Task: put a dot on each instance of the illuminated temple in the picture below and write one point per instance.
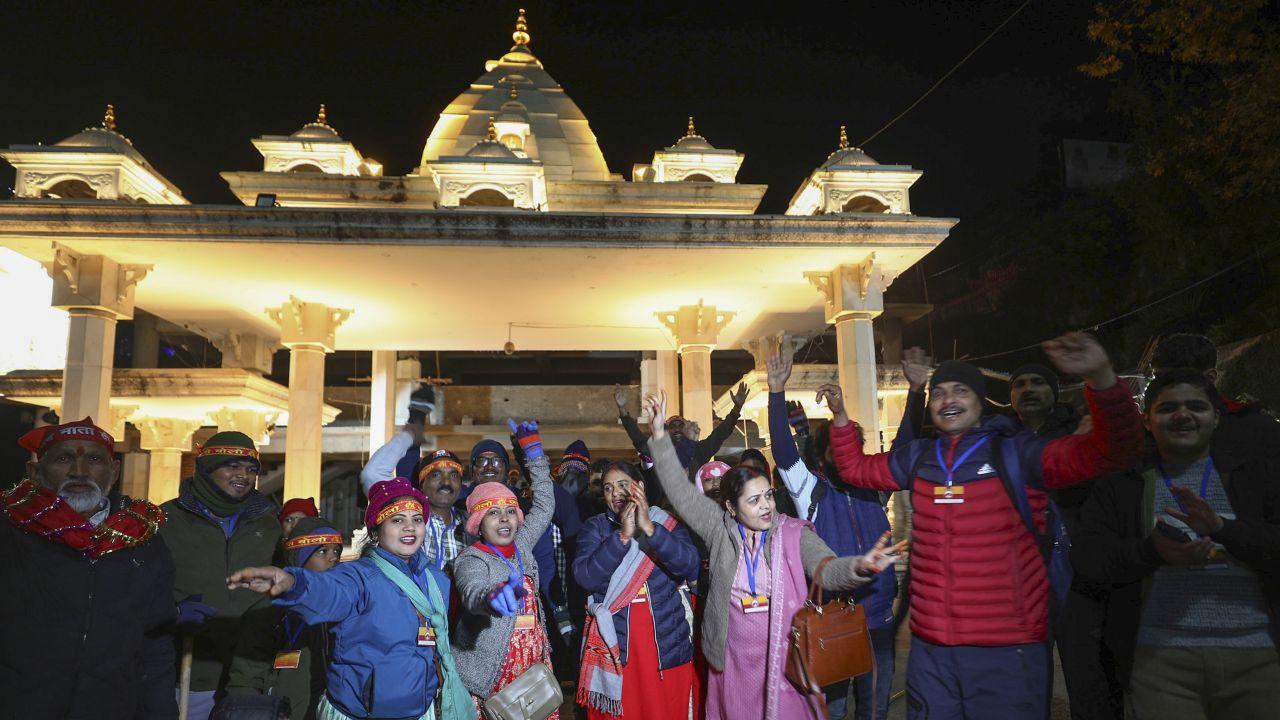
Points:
(327, 254)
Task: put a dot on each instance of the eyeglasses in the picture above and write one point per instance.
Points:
(493, 462)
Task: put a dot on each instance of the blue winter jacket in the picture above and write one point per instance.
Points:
(600, 551)
(848, 519)
(378, 670)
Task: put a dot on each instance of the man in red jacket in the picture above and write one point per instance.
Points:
(980, 589)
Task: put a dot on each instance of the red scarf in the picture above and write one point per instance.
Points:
(42, 512)
(507, 551)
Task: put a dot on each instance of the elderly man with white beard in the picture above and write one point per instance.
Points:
(86, 610)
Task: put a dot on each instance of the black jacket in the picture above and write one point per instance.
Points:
(1113, 543)
(82, 638)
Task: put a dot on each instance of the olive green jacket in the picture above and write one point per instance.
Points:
(203, 557)
(263, 635)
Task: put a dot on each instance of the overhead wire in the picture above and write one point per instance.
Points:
(948, 74)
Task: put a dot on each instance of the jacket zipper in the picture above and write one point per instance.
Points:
(648, 600)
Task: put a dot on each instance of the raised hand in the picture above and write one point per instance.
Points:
(1081, 354)
(641, 503)
(527, 436)
(503, 601)
(880, 557)
(1199, 515)
(657, 407)
(915, 367)
(833, 396)
(739, 396)
(270, 580)
(778, 369)
(620, 397)
(627, 521)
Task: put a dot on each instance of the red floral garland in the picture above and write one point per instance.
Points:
(42, 512)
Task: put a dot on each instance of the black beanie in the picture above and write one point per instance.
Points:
(961, 372)
(1049, 376)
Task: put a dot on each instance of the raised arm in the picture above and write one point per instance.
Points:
(855, 467)
(382, 463)
(786, 456)
(915, 368)
(850, 571)
(711, 444)
(317, 597)
(698, 511)
(538, 519)
(1116, 441)
(629, 423)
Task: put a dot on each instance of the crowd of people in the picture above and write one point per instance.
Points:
(1140, 540)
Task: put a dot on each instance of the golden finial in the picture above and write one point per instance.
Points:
(322, 117)
(521, 35)
(513, 95)
(109, 118)
(493, 131)
(844, 138)
(690, 132)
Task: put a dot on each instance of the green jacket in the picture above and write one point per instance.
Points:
(203, 557)
(264, 634)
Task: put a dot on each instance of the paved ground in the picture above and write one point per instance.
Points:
(898, 706)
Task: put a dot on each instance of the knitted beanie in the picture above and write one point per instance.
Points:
(713, 469)
(576, 457)
(309, 535)
(437, 459)
(492, 446)
(388, 497)
(961, 372)
(485, 497)
(1037, 369)
(225, 448)
(306, 506)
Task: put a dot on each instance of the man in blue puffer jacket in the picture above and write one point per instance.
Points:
(850, 520)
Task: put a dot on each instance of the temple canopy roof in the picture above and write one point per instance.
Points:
(559, 136)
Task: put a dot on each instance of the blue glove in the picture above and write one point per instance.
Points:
(526, 435)
(192, 613)
(504, 602)
(516, 583)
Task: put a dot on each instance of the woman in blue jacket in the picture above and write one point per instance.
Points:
(637, 653)
(390, 617)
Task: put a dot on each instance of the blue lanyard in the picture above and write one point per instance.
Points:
(437, 539)
(753, 559)
(951, 471)
(1204, 482)
(291, 638)
(504, 559)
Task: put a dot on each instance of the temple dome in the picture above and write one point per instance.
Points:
(559, 136)
(848, 156)
(318, 130)
(101, 137)
(491, 149)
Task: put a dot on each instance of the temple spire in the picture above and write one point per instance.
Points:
(322, 117)
(844, 139)
(513, 95)
(493, 131)
(521, 35)
(109, 118)
(690, 132)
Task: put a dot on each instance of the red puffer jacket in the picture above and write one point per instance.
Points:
(977, 577)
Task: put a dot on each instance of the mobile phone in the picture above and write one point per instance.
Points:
(1172, 532)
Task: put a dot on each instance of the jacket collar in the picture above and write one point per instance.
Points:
(255, 505)
(410, 567)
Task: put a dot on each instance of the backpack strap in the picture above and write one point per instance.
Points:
(1004, 454)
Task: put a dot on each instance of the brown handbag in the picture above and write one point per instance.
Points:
(829, 643)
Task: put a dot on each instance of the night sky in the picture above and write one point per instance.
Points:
(194, 82)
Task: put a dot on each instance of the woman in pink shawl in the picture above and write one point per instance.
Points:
(758, 562)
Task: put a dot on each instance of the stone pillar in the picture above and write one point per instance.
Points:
(146, 341)
(854, 296)
(382, 398)
(696, 328)
(307, 329)
(133, 474)
(166, 439)
(660, 373)
(248, 351)
(96, 292)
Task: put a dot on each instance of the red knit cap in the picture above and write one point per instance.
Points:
(306, 506)
(41, 439)
(486, 496)
(395, 495)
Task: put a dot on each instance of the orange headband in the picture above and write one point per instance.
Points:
(229, 450)
(445, 462)
(398, 506)
(308, 540)
(485, 506)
